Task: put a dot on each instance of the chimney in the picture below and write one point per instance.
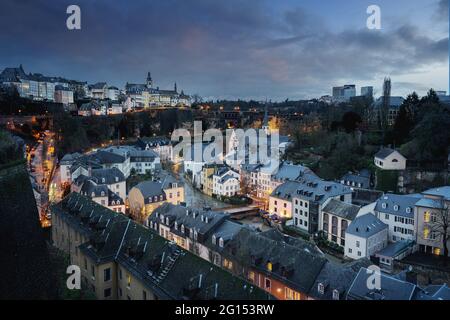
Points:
(90, 171)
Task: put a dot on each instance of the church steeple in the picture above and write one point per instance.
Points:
(149, 80)
(265, 125)
(175, 88)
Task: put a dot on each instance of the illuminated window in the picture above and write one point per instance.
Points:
(291, 294)
(128, 281)
(437, 251)
(269, 266)
(252, 276)
(228, 264)
(426, 233)
(427, 216)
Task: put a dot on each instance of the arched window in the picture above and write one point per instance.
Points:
(221, 242)
(214, 239)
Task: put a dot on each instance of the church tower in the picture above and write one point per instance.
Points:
(149, 82)
(265, 125)
(175, 88)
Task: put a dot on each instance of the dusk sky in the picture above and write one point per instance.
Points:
(233, 49)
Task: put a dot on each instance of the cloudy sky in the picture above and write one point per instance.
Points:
(233, 48)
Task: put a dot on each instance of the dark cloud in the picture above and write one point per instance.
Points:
(215, 48)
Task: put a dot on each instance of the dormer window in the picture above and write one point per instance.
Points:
(408, 210)
(221, 242)
(269, 266)
(182, 228)
(167, 221)
(93, 194)
(396, 207)
(206, 219)
(321, 288)
(384, 205)
(195, 235)
(103, 180)
(191, 233)
(335, 294)
(176, 225)
(117, 179)
(162, 218)
(103, 193)
(214, 241)
(150, 200)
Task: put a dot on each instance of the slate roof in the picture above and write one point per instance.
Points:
(288, 171)
(295, 267)
(434, 292)
(391, 288)
(161, 266)
(107, 176)
(337, 277)
(397, 204)
(150, 189)
(152, 142)
(311, 188)
(366, 226)
(93, 190)
(202, 221)
(361, 181)
(395, 249)
(385, 152)
(439, 192)
(105, 157)
(70, 157)
(341, 209)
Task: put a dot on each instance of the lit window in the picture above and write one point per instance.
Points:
(128, 281)
(427, 216)
(269, 266)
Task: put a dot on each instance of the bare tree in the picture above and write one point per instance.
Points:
(440, 225)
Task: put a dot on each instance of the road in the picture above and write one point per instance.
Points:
(42, 166)
(193, 197)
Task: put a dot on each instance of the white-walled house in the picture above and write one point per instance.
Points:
(226, 183)
(390, 159)
(397, 211)
(365, 236)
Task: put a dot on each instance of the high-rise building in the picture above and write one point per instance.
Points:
(344, 93)
(367, 91)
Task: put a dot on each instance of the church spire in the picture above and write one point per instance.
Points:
(265, 125)
(175, 88)
(149, 80)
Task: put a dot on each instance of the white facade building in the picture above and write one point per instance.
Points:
(365, 236)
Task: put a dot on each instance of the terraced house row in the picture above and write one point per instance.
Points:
(285, 267)
(120, 259)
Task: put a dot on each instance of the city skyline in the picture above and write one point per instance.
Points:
(235, 49)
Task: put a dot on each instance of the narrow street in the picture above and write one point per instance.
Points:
(42, 166)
